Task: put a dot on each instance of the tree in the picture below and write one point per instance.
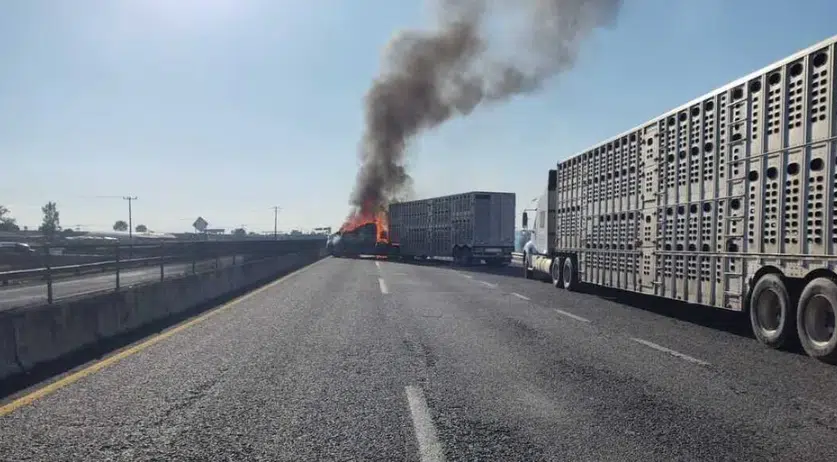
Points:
(52, 220)
(120, 225)
(141, 228)
(239, 232)
(7, 223)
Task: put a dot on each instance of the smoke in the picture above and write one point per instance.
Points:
(431, 76)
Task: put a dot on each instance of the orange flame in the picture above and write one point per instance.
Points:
(366, 216)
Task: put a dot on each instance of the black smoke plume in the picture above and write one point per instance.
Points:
(432, 76)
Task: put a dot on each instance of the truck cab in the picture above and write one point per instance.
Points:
(539, 252)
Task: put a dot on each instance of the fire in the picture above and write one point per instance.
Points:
(366, 216)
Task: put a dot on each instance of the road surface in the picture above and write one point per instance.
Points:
(358, 360)
(12, 296)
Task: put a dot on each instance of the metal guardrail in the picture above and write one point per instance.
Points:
(197, 256)
(36, 273)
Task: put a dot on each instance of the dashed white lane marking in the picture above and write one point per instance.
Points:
(522, 297)
(573, 316)
(486, 283)
(676, 354)
(378, 264)
(430, 450)
(383, 285)
(466, 276)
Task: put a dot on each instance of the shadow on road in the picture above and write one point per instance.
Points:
(735, 323)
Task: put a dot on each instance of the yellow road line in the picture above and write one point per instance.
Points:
(110, 360)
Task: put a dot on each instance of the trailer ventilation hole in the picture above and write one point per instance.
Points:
(816, 165)
(695, 111)
(648, 219)
(670, 158)
(694, 150)
(708, 147)
(681, 210)
(692, 247)
(708, 106)
(796, 70)
(753, 176)
(793, 168)
(732, 247)
(774, 79)
(707, 207)
(679, 247)
(772, 172)
(755, 86)
(820, 59)
(737, 93)
(705, 247)
(682, 117)
(735, 204)
(693, 209)
(682, 154)
(668, 246)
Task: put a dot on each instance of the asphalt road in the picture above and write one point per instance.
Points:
(11, 297)
(358, 360)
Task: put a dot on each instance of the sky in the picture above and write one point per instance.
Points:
(225, 108)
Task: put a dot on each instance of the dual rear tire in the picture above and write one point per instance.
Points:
(779, 319)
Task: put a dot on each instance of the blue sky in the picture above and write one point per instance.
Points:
(223, 108)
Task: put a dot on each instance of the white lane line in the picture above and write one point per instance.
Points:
(383, 285)
(522, 297)
(570, 315)
(430, 450)
(378, 264)
(465, 275)
(486, 283)
(669, 351)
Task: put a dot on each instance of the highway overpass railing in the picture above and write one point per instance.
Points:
(121, 264)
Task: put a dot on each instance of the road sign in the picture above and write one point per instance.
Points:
(200, 224)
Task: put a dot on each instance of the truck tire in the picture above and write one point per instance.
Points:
(569, 276)
(815, 317)
(555, 269)
(772, 316)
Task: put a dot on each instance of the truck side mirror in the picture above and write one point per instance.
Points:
(525, 219)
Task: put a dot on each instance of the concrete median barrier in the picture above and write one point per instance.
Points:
(9, 365)
(30, 337)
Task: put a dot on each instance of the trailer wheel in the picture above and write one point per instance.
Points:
(555, 271)
(569, 276)
(772, 316)
(815, 320)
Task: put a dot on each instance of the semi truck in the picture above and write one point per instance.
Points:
(728, 201)
(363, 240)
(466, 227)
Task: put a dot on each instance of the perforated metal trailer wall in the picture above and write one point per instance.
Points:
(434, 226)
(692, 204)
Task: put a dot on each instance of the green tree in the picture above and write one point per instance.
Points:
(52, 220)
(120, 225)
(141, 228)
(239, 232)
(7, 223)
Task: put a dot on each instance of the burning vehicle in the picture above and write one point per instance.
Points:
(363, 234)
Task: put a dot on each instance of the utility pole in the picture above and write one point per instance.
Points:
(275, 222)
(130, 218)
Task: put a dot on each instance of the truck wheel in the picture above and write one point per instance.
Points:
(771, 313)
(568, 275)
(815, 320)
(555, 271)
(527, 272)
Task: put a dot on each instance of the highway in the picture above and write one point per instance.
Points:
(32, 294)
(365, 360)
